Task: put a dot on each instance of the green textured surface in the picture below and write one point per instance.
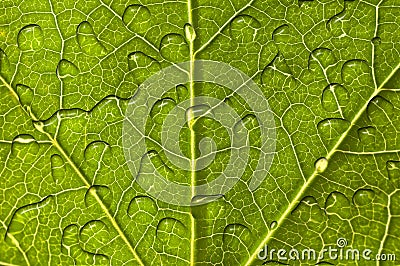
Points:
(329, 69)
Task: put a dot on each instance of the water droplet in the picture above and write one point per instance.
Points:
(96, 193)
(142, 206)
(57, 168)
(204, 199)
(169, 228)
(277, 75)
(70, 240)
(88, 41)
(281, 34)
(98, 151)
(335, 98)
(376, 41)
(30, 38)
(25, 94)
(66, 69)
(137, 18)
(24, 146)
(160, 110)
(338, 25)
(363, 197)
(174, 48)
(28, 214)
(236, 234)
(201, 110)
(321, 164)
(356, 73)
(367, 136)
(273, 224)
(142, 66)
(244, 28)
(338, 204)
(322, 57)
(332, 128)
(380, 111)
(94, 235)
(190, 33)
(181, 92)
(309, 212)
(393, 169)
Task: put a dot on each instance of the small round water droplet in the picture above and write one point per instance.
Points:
(273, 224)
(137, 18)
(160, 110)
(25, 94)
(30, 38)
(181, 92)
(174, 47)
(170, 227)
(98, 152)
(88, 41)
(321, 164)
(363, 197)
(338, 204)
(190, 33)
(244, 28)
(281, 34)
(66, 69)
(96, 193)
(142, 66)
(380, 111)
(376, 41)
(94, 235)
(142, 206)
(332, 128)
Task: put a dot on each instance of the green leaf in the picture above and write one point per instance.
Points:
(69, 71)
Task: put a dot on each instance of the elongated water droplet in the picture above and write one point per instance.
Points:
(88, 41)
(57, 168)
(142, 66)
(174, 47)
(137, 18)
(160, 110)
(204, 199)
(190, 33)
(66, 69)
(321, 164)
(273, 224)
(30, 38)
(244, 28)
(363, 197)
